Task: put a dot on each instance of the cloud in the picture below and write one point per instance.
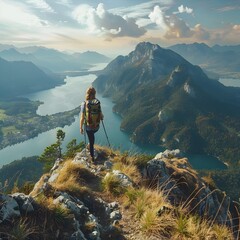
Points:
(182, 9)
(236, 27)
(157, 16)
(172, 27)
(12, 15)
(200, 33)
(101, 21)
(177, 28)
(228, 8)
(41, 4)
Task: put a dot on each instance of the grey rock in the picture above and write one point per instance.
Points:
(108, 165)
(56, 164)
(95, 235)
(78, 235)
(125, 180)
(113, 205)
(24, 202)
(9, 208)
(115, 215)
(92, 218)
(53, 177)
(169, 154)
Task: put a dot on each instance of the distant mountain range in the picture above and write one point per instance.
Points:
(223, 61)
(20, 77)
(51, 59)
(167, 101)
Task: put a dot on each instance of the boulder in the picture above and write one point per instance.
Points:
(9, 208)
(179, 181)
(25, 202)
(124, 179)
(115, 215)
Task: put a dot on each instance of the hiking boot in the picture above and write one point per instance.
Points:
(92, 159)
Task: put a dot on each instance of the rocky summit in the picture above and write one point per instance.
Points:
(120, 196)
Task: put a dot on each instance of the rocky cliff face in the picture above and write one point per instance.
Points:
(68, 203)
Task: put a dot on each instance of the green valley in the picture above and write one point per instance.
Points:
(19, 121)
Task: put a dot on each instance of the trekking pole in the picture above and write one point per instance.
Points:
(85, 140)
(106, 134)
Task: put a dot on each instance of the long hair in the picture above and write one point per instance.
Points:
(90, 93)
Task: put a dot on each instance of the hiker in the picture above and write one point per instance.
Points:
(91, 115)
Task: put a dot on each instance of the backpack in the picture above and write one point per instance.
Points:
(93, 113)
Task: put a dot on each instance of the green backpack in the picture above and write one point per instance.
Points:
(93, 113)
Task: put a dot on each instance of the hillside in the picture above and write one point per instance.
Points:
(119, 197)
(18, 78)
(20, 173)
(165, 100)
(220, 60)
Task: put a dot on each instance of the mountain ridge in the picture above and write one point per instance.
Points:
(178, 102)
(54, 60)
(220, 60)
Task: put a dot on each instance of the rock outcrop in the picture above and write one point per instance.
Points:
(182, 184)
(91, 215)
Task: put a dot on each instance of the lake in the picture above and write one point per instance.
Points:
(230, 82)
(69, 96)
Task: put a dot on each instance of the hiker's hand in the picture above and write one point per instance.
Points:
(102, 116)
(81, 130)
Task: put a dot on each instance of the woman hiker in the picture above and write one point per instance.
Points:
(91, 115)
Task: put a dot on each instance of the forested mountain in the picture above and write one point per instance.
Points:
(167, 101)
(18, 78)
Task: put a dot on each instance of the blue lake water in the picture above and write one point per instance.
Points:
(69, 96)
(230, 82)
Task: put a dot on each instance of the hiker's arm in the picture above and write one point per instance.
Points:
(81, 123)
(82, 117)
(102, 116)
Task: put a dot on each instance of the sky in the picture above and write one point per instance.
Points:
(117, 26)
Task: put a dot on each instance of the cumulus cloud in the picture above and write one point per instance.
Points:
(103, 22)
(173, 27)
(236, 27)
(41, 4)
(157, 16)
(182, 9)
(200, 33)
(178, 28)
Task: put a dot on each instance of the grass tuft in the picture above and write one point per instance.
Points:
(112, 185)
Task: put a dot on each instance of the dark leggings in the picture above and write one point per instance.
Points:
(91, 139)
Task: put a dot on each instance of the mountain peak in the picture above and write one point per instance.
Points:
(147, 46)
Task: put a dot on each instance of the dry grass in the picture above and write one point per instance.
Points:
(130, 170)
(153, 225)
(222, 232)
(174, 223)
(112, 185)
(21, 230)
(74, 178)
